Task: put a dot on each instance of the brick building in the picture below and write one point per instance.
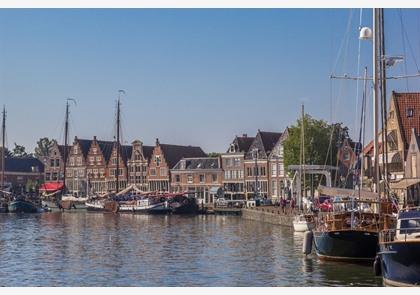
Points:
(138, 165)
(54, 163)
(96, 165)
(200, 176)
(164, 158)
(233, 166)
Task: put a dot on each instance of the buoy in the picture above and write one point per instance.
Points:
(377, 267)
(307, 242)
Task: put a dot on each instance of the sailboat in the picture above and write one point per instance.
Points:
(350, 232)
(303, 221)
(105, 202)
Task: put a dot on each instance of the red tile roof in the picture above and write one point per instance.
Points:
(405, 103)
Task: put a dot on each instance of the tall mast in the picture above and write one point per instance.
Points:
(383, 100)
(375, 101)
(118, 141)
(66, 132)
(3, 132)
(302, 157)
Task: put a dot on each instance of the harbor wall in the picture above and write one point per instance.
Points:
(268, 215)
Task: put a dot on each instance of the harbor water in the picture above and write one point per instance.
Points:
(105, 249)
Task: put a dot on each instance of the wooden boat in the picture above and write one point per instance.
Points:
(303, 222)
(350, 231)
(398, 259)
(183, 204)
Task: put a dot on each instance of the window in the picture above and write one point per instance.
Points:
(81, 173)
(214, 177)
(226, 175)
(237, 162)
(410, 112)
(189, 178)
(52, 162)
(71, 161)
(281, 170)
(274, 170)
(57, 162)
(274, 187)
(76, 149)
(137, 156)
(157, 160)
(177, 178)
(114, 161)
(94, 150)
(163, 172)
(201, 178)
(48, 176)
(98, 159)
(91, 159)
(79, 160)
(153, 172)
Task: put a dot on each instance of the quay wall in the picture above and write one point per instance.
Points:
(271, 215)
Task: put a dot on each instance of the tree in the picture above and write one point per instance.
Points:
(214, 155)
(320, 145)
(43, 147)
(19, 151)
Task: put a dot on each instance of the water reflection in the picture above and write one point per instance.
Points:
(101, 249)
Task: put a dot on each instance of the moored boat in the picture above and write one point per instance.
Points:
(183, 204)
(303, 222)
(20, 205)
(398, 258)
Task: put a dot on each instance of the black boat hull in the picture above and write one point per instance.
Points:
(349, 245)
(22, 206)
(400, 263)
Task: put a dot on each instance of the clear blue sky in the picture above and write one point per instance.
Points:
(192, 76)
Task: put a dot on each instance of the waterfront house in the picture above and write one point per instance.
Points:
(54, 163)
(138, 165)
(111, 175)
(165, 157)
(279, 183)
(233, 166)
(201, 177)
(256, 164)
(97, 159)
(22, 173)
(76, 181)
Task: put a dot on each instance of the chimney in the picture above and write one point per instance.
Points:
(94, 137)
(244, 135)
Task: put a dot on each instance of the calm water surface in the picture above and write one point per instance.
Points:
(96, 249)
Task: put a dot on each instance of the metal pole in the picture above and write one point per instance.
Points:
(118, 143)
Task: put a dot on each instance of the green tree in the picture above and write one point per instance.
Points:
(214, 155)
(43, 147)
(320, 145)
(19, 151)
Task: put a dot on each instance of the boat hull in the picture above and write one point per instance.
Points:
(22, 207)
(303, 226)
(400, 263)
(348, 245)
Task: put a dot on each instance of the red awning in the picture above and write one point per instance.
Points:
(51, 186)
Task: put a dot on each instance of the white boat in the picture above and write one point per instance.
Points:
(303, 222)
(144, 206)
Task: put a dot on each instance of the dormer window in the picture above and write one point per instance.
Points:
(410, 112)
(183, 164)
(232, 148)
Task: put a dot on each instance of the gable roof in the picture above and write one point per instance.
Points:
(126, 151)
(198, 163)
(244, 143)
(23, 164)
(403, 103)
(269, 140)
(84, 145)
(106, 148)
(174, 153)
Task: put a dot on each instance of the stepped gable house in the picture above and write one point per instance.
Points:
(138, 165)
(200, 176)
(125, 154)
(163, 159)
(76, 180)
(54, 163)
(256, 163)
(97, 159)
(232, 163)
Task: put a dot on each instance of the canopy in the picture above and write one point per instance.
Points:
(51, 186)
(404, 183)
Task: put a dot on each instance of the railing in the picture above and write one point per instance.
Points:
(399, 234)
